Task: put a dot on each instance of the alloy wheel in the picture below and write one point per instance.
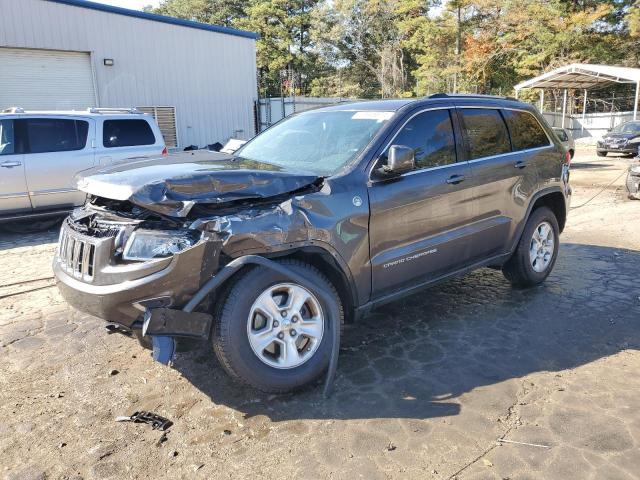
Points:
(541, 247)
(285, 325)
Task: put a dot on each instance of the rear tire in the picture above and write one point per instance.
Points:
(272, 333)
(536, 252)
(601, 154)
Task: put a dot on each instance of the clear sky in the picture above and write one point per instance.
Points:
(132, 4)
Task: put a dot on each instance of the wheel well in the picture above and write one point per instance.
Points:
(555, 202)
(324, 262)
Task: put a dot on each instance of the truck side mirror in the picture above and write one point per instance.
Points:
(400, 160)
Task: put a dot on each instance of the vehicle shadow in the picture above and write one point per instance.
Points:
(13, 236)
(414, 358)
(597, 165)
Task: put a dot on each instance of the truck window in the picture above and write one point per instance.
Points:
(54, 134)
(526, 131)
(486, 132)
(126, 133)
(430, 134)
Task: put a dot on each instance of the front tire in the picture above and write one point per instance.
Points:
(272, 333)
(601, 154)
(536, 251)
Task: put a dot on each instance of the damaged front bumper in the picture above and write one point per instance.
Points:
(90, 282)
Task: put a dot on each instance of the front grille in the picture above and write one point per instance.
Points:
(76, 255)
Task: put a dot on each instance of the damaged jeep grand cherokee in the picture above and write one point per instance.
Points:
(323, 216)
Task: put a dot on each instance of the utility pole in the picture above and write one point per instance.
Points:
(458, 46)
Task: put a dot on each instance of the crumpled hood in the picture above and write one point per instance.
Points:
(172, 185)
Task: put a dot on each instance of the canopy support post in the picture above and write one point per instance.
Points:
(584, 109)
(564, 106)
(635, 104)
(541, 100)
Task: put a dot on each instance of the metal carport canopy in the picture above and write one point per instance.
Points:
(585, 76)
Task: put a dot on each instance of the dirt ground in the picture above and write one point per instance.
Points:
(425, 386)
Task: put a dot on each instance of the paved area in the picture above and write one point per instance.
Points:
(426, 387)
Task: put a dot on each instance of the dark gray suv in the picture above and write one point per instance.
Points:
(314, 222)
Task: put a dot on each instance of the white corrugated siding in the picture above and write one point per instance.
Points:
(45, 79)
(208, 77)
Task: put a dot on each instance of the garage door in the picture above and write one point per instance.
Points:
(45, 79)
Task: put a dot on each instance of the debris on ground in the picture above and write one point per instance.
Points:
(156, 421)
(502, 440)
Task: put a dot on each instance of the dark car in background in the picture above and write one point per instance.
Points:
(345, 208)
(625, 139)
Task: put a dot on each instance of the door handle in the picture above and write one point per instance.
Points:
(455, 179)
(520, 164)
(10, 164)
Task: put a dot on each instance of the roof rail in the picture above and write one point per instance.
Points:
(470, 95)
(114, 110)
(13, 110)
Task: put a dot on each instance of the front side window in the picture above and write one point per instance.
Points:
(126, 133)
(526, 131)
(430, 135)
(7, 142)
(319, 142)
(486, 132)
(46, 135)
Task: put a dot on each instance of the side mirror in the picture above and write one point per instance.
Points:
(400, 160)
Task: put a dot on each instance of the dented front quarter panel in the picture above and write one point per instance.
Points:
(335, 218)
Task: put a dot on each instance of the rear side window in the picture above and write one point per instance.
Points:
(562, 135)
(46, 135)
(526, 131)
(126, 133)
(486, 132)
(430, 134)
(7, 142)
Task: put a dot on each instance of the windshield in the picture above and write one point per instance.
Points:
(627, 128)
(320, 142)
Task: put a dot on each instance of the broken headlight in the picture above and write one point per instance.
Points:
(148, 244)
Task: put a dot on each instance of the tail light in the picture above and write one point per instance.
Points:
(567, 157)
(165, 152)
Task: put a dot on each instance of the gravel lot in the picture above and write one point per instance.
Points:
(425, 386)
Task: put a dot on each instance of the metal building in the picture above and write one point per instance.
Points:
(198, 80)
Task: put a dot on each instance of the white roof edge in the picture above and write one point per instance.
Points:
(613, 74)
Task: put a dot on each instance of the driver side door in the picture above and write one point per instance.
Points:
(14, 194)
(419, 224)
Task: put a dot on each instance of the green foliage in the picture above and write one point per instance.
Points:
(216, 12)
(392, 48)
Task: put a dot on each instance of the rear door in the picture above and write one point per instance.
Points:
(124, 138)
(504, 175)
(14, 196)
(419, 221)
(56, 150)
